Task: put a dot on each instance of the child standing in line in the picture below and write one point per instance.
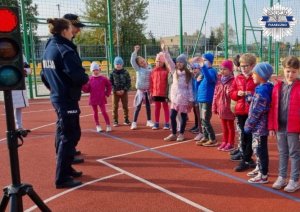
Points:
(221, 105)
(205, 95)
(121, 83)
(284, 122)
(257, 121)
(159, 90)
(99, 88)
(197, 128)
(20, 99)
(181, 94)
(242, 86)
(143, 71)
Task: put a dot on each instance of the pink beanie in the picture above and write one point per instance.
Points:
(227, 64)
(160, 57)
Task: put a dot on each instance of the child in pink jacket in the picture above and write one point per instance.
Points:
(221, 105)
(99, 88)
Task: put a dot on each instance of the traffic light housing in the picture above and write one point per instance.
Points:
(11, 57)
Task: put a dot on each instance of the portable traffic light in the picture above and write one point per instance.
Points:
(11, 56)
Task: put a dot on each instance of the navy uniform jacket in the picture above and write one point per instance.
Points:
(62, 72)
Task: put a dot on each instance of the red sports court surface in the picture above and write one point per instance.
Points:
(129, 170)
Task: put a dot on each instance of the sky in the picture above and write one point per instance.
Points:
(163, 15)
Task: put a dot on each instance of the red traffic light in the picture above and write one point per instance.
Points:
(8, 21)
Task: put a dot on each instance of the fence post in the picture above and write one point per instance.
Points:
(110, 34)
(180, 27)
(226, 30)
(26, 46)
(270, 41)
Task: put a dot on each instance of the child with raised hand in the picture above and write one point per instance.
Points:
(205, 95)
(242, 86)
(284, 122)
(181, 94)
(257, 121)
(99, 88)
(159, 90)
(221, 105)
(121, 83)
(143, 71)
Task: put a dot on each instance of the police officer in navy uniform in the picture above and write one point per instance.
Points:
(76, 28)
(64, 76)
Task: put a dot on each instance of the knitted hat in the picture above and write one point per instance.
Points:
(264, 70)
(118, 61)
(94, 66)
(209, 57)
(181, 59)
(160, 57)
(195, 65)
(227, 64)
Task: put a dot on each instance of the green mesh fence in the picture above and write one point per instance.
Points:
(203, 24)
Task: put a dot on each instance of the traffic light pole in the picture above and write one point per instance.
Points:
(15, 191)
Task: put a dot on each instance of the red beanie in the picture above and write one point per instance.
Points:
(227, 64)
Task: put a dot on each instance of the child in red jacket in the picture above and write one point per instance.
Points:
(284, 122)
(159, 90)
(99, 88)
(221, 105)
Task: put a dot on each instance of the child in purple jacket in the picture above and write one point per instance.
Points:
(99, 88)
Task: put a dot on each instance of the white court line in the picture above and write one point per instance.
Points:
(181, 198)
(75, 188)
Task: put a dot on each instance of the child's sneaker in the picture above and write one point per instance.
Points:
(193, 128)
(149, 123)
(202, 141)
(210, 143)
(116, 124)
(292, 186)
(171, 137)
(198, 137)
(166, 126)
(228, 148)
(234, 152)
(279, 183)
(98, 128)
(259, 179)
(133, 126)
(127, 122)
(254, 172)
(223, 144)
(180, 137)
(108, 128)
(155, 126)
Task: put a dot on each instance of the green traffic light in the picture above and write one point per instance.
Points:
(9, 76)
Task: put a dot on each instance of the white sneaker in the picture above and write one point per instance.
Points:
(292, 186)
(108, 128)
(180, 137)
(133, 126)
(279, 183)
(171, 137)
(98, 128)
(198, 137)
(254, 172)
(149, 123)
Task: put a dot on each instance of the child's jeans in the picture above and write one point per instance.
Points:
(205, 115)
(104, 113)
(138, 108)
(174, 122)
(289, 146)
(246, 138)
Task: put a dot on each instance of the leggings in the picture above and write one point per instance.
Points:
(166, 111)
(104, 113)
(228, 131)
(174, 122)
(138, 108)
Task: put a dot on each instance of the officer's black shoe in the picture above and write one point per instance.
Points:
(242, 166)
(69, 184)
(77, 152)
(75, 173)
(77, 160)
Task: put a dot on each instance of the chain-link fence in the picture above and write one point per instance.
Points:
(192, 27)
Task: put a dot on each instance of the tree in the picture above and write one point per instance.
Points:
(220, 32)
(130, 14)
(212, 40)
